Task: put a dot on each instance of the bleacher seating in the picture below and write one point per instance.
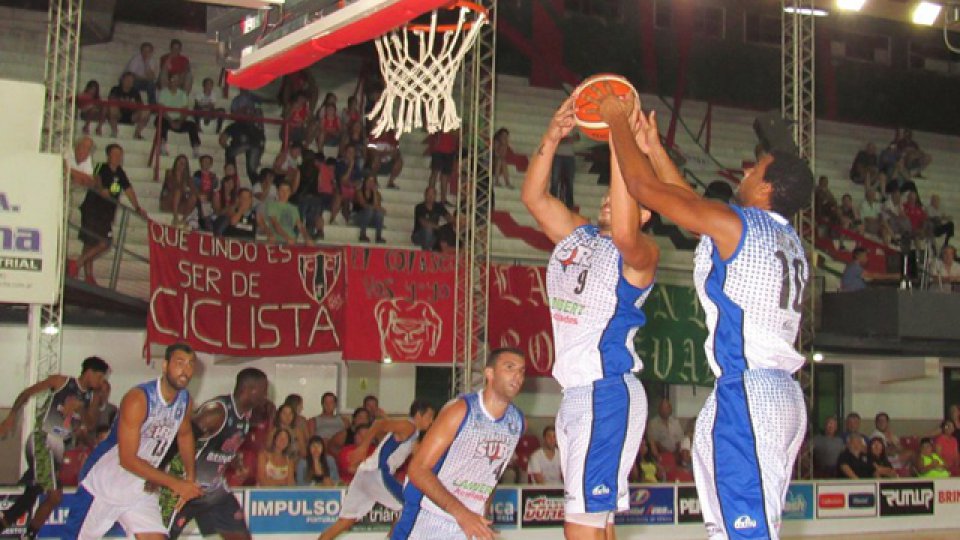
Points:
(524, 110)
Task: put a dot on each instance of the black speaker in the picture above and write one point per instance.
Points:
(775, 133)
(96, 25)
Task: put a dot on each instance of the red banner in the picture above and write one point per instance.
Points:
(228, 296)
(400, 305)
(519, 315)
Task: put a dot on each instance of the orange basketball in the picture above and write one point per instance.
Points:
(587, 114)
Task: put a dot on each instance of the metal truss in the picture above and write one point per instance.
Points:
(478, 90)
(798, 107)
(60, 78)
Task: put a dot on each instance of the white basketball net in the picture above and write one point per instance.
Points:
(418, 91)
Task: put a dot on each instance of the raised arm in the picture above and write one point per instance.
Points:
(402, 430)
(678, 204)
(647, 136)
(640, 252)
(49, 384)
(420, 472)
(555, 219)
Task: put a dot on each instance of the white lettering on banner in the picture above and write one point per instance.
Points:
(294, 508)
(908, 497)
(168, 236)
(689, 506)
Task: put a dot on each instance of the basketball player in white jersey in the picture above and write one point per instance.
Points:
(70, 414)
(152, 415)
(461, 459)
(375, 481)
(750, 271)
(597, 278)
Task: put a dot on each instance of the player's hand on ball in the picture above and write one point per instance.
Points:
(563, 121)
(475, 526)
(609, 105)
(187, 490)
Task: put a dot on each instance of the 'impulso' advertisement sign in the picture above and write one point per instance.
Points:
(907, 498)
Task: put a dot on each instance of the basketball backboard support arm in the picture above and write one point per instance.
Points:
(355, 22)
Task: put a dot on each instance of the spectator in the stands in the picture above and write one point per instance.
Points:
(98, 210)
(351, 114)
(146, 70)
(383, 152)
(854, 462)
(426, 219)
(175, 63)
(850, 215)
(929, 463)
(916, 160)
(347, 470)
(227, 197)
(243, 137)
(870, 212)
(79, 162)
(665, 430)
(349, 176)
(920, 228)
(647, 469)
(294, 84)
(851, 425)
(207, 184)
(206, 100)
(355, 137)
(329, 99)
(895, 450)
(246, 103)
(282, 219)
(877, 452)
(826, 448)
(855, 276)
(318, 193)
(895, 217)
(446, 241)
(125, 92)
(368, 209)
(900, 178)
(372, 404)
(179, 194)
(317, 468)
(866, 167)
(286, 419)
(887, 161)
(173, 96)
(361, 417)
(945, 271)
(108, 411)
(276, 464)
(301, 425)
(544, 464)
(443, 154)
(298, 121)
(941, 224)
(242, 217)
(263, 192)
(328, 423)
(501, 151)
(825, 202)
(683, 470)
(564, 169)
(89, 108)
(328, 127)
(945, 444)
(286, 167)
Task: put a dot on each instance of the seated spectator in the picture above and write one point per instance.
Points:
(328, 423)
(946, 446)
(443, 155)
(941, 224)
(895, 451)
(125, 92)
(544, 464)
(683, 470)
(174, 97)
(263, 192)
(826, 448)
(247, 138)
(298, 121)
(317, 468)
(301, 423)
(383, 152)
(919, 225)
(241, 218)
(372, 404)
(318, 193)
(108, 411)
(900, 178)
(882, 468)
(179, 194)
(887, 161)
(945, 271)
(328, 127)
(296, 84)
(79, 162)
(849, 215)
(207, 185)
(647, 469)
(286, 419)
(229, 186)
(665, 431)
(851, 425)
(277, 463)
(929, 463)
(286, 167)
(916, 160)
(351, 115)
(282, 219)
(145, 70)
(426, 220)
(90, 108)
(99, 209)
(825, 202)
(855, 276)
(329, 99)
(854, 462)
(501, 151)
(896, 219)
(347, 470)
(446, 237)
(206, 100)
(866, 167)
(349, 177)
(354, 136)
(175, 63)
(368, 209)
(348, 435)
(870, 212)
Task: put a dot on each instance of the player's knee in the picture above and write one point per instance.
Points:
(54, 496)
(594, 520)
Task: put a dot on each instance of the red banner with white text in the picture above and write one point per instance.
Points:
(519, 315)
(400, 305)
(231, 297)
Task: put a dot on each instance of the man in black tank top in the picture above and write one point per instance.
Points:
(71, 413)
(220, 426)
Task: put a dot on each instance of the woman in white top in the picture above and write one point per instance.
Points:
(946, 271)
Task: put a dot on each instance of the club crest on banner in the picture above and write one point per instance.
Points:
(319, 273)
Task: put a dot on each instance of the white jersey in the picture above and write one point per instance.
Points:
(105, 478)
(752, 300)
(390, 454)
(595, 311)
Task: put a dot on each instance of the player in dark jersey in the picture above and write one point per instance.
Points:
(220, 426)
(72, 409)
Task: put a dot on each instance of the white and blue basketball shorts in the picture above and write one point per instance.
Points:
(599, 429)
(91, 517)
(747, 439)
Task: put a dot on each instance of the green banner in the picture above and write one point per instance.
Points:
(671, 343)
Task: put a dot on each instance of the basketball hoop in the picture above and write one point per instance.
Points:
(418, 85)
